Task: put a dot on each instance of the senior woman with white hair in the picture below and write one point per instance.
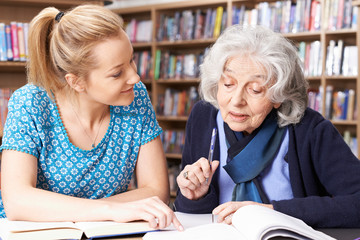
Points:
(272, 149)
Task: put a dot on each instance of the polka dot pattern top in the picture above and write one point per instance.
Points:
(34, 126)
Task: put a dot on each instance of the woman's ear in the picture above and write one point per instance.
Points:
(277, 105)
(75, 82)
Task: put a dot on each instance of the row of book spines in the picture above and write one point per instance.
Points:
(188, 24)
(177, 66)
(304, 15)
(281, 16)
(177, 102)
(340, 14)
(143, 63)
(341, 60)
(310, 55)
(343, 105)
(339, 105)
(139, 30)
(173, 141)
(13, 41)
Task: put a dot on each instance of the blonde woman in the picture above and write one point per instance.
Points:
(82, 127)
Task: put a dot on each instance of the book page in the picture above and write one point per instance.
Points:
(192, 220)
(258, 222)
(18, 230)
(23, 226)
(212, 231)
(197, 226)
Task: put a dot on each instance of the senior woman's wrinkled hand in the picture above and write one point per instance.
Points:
(195, 179)
(226, 210)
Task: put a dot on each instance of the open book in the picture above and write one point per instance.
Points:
(19, 230)
(252, 222)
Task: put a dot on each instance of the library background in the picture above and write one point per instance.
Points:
(170, 39)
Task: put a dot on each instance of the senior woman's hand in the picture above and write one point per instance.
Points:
(226, 210)
(195, 179)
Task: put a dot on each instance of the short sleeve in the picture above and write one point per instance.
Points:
(20, 131)
(150, 128)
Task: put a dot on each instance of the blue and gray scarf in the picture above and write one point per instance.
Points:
(249, 155)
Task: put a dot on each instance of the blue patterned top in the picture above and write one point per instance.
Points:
(34, 126)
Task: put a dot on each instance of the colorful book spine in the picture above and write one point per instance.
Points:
(9, 51)
(15, 41)
(3, 55)
(157, 64)
(218, 20)
(354, 17)
(21, 40)
(26, 34)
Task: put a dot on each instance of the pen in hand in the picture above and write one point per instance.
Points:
(211, 155)
(212, 146)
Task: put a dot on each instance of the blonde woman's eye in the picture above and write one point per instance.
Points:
(117, 74)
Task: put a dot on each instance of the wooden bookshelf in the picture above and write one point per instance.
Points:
(12, 74)
(323, 35)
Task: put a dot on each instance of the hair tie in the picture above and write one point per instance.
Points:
(59, 16)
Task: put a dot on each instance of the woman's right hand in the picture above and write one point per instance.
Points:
(194, 179)
(151, 209)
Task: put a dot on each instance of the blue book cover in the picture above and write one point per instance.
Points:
(9, 52)
(3, 55)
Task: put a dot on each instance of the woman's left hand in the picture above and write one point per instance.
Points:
(225, 211)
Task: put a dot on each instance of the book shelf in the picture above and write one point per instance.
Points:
(322, 36)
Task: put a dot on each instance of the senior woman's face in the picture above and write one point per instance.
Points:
(242, 96)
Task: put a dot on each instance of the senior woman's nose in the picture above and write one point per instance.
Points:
(239, 96)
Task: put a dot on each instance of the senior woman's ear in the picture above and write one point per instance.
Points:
(277, 105)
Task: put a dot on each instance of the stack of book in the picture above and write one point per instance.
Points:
(177, 66)
(139, 31)
(173, 141)
(310, 55)
(189, 25)
(13, 41)
(340, 14)
(340, 104)
(177, 102)
(315, 99)
(341, 59)
(298, 16)
(143, 63)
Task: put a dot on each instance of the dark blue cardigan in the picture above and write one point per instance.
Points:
(324, 173)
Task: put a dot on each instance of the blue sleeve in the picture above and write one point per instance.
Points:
(20, 131)
(151, 128)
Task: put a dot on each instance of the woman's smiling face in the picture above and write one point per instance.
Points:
(242, 95)
(112, 81)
